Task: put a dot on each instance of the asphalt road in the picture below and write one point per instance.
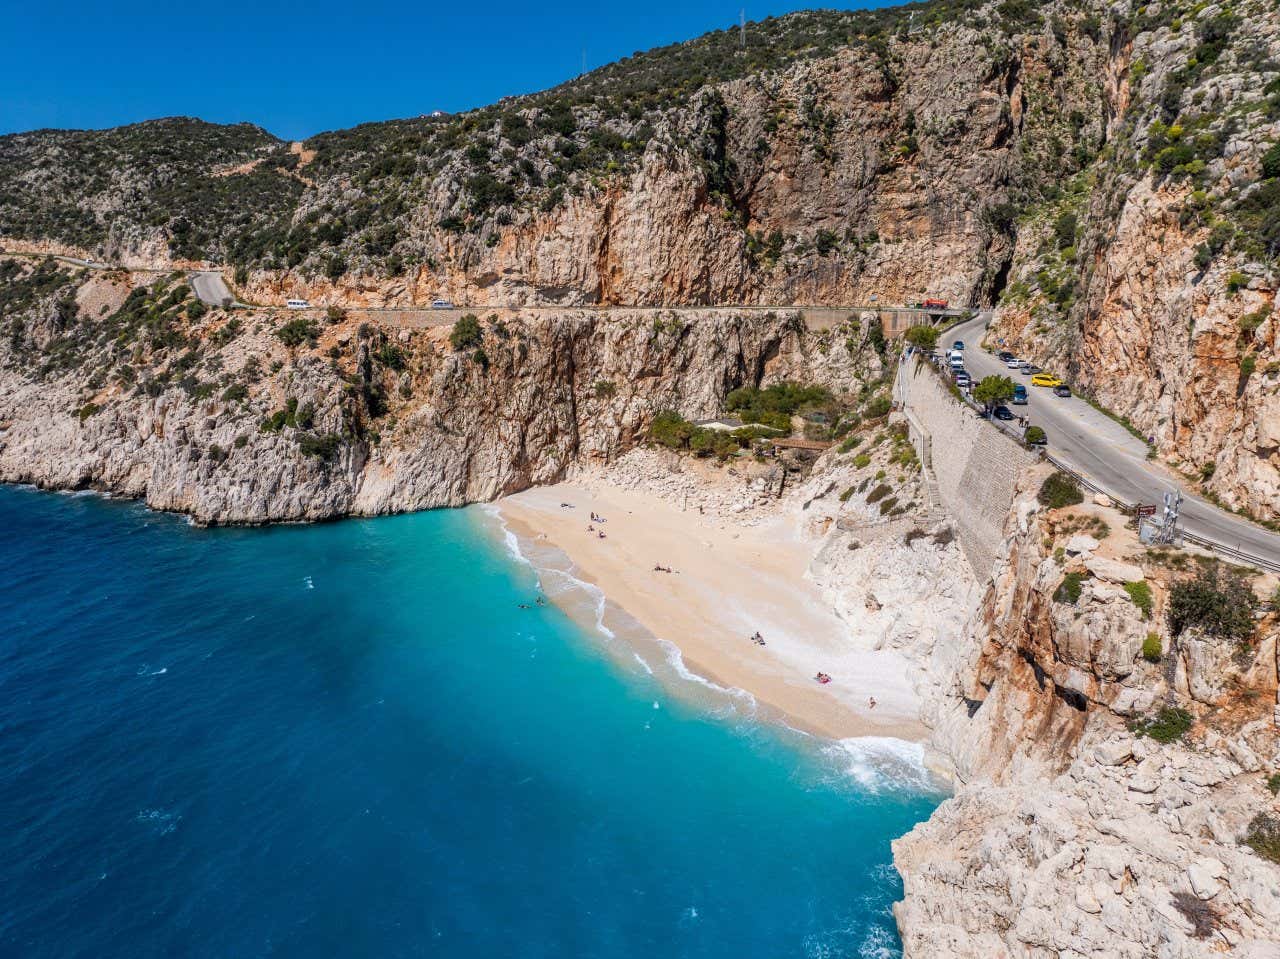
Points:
(1106, 453)
(211, 288)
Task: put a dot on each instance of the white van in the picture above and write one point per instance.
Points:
(441, 305)
(297, 304)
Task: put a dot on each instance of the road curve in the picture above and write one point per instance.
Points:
(1106, 453)
(210, 287)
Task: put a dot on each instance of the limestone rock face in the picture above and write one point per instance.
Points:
(1093, 863)
(550, 394)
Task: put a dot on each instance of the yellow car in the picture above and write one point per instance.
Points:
(1045, 379)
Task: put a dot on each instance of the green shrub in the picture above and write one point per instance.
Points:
(391, 356)
(850, 444)
(1059, 490)
(844, 497)
(1236, 281)
(1033, 435)
(1068, 590)
(1169, 724)
(888, 504)
(1221, 604)
(1273, 784)
(196, 309)
(877, 408)
(1152, 651)
(1263, 836)
(323, 445)
(1140, 593)
(604, 389)
(466, 334)
(1271, 162)
(879, 493)
(235, 393)
(671, 430)
(861, 460)
(299, 331)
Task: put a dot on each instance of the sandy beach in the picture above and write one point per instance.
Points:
(726, 584)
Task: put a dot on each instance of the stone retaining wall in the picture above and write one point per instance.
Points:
(976, 467)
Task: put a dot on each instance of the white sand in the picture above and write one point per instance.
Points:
(727, 584)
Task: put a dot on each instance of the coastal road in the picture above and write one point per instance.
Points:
(211, 288)
(1107, 454)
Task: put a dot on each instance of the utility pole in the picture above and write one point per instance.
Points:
(742, 29)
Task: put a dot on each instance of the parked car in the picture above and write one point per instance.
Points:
(1013, 362)
(1002, 413)
(958, 345)
(1035, 369)
(441, 305)
(1019, 395)
(1045, 379)
(297, 304)
(1062, 390)
(1024, 367)
(1005, 356)
(963, 381)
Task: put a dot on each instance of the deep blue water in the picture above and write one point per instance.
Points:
(347, 740)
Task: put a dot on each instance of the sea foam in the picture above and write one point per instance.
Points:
(882, 764)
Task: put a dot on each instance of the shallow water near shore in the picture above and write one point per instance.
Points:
(349, 740)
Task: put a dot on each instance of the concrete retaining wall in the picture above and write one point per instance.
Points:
(976, 467)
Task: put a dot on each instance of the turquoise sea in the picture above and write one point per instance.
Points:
(349, 740)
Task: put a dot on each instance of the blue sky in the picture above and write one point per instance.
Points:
(300, 68)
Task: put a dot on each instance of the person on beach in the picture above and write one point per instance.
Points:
(871, 702)
(541, 601)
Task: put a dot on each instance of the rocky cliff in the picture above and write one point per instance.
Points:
(255, 416)
(1150, 278)
(1113, 772)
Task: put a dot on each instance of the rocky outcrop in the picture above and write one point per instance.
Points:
(1134, 851)
(1070, 834)
(236, 426)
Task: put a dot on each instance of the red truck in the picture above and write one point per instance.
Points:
(934, 304)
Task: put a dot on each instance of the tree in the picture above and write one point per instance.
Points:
(466, 333)
(993, 390)
(922, 337)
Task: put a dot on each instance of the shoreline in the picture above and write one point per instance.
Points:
(726, 583)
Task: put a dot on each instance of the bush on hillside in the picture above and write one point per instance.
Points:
(1219, 603)
(1059, 490)
(299, 331)
(466, 334)
(1152, 650)
(1263, 836)
(1069, 589)
(1169, 724)
(1140, 594)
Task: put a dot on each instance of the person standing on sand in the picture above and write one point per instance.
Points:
(871, 702)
